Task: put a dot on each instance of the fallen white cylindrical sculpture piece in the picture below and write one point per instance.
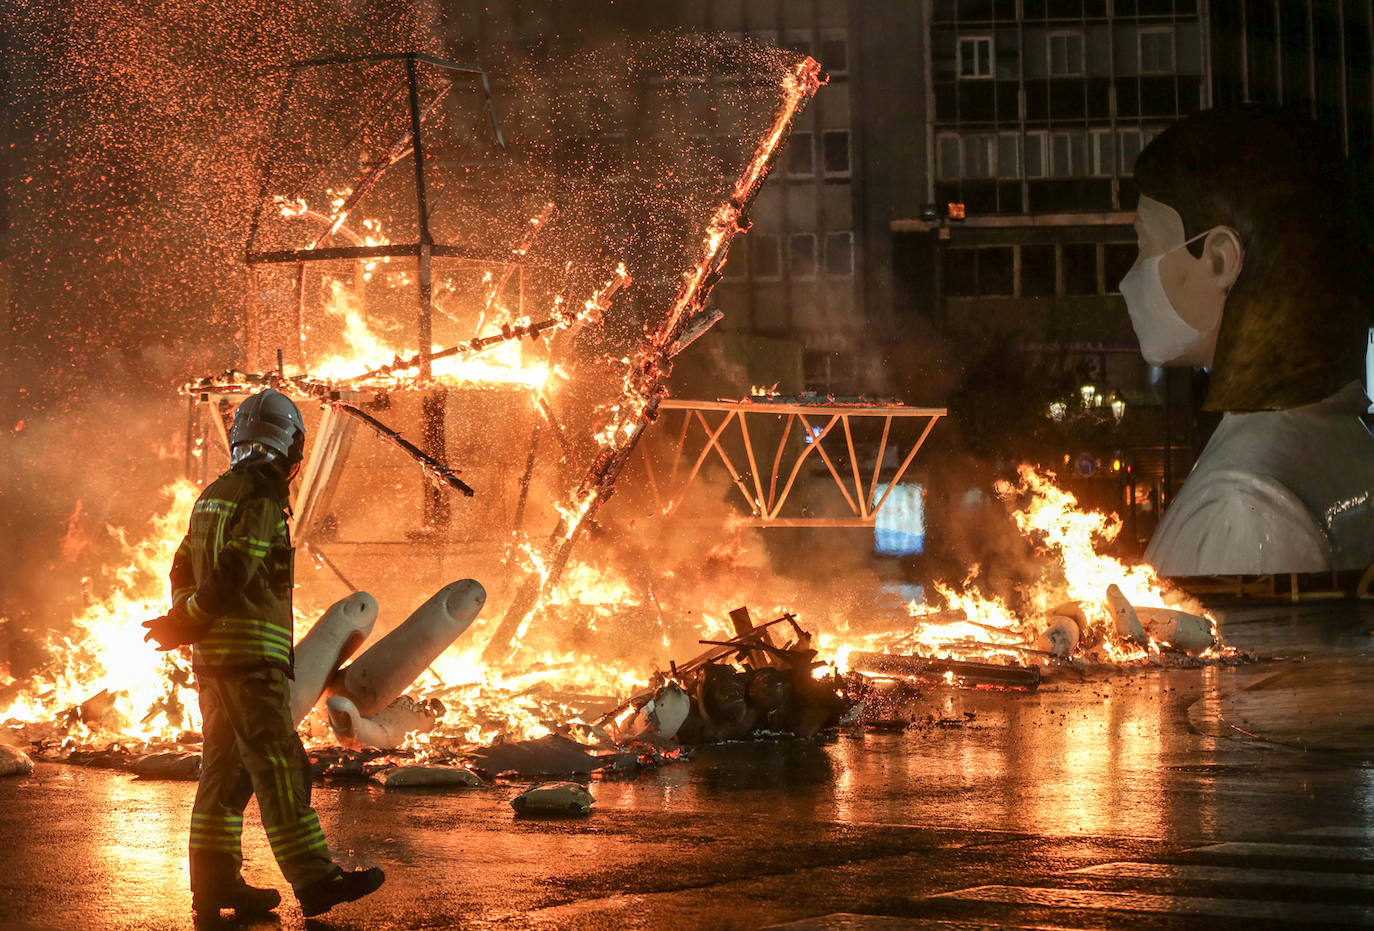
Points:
(661, 716)
(1179, 629)
(1060, 637)
(1127, 621)
(384, 730)
(1074, 610)
(335, 637)
(375, 679)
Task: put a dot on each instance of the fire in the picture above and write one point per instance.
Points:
(1053, 515)
(969, 623)
(105, 651)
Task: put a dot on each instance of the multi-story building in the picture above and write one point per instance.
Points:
(1035, 113)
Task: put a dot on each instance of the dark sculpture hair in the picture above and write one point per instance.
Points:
(1293, 329)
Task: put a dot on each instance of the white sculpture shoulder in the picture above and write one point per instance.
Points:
(1276, 491)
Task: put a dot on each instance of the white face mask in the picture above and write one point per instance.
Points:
(1165, 337)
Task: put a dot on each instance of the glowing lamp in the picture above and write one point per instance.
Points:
(955, 210)
(1058, 411)
(1088, 393)
(1118, 408)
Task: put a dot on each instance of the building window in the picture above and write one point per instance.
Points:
(765, 258)
(1066, 154)
(801, 154)
(961, 272)
(1157, 51)
(835, 55)
(1117, 259)
(949, 157)
(1101, 153)
(980, 155)
(1036, 162)
(1132, 142)
(1066, 53)
(995, 270)
(835, 146)
(1009, 155)
(1080, 268)
(1130, 149)
(801, 255)
(839, 253)
(975, 56)
(985, 271)
(800, 46)
(1037, 271)
(737, 259)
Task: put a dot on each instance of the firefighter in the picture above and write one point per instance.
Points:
(231, 600)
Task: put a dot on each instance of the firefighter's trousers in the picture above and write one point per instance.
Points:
(251, 747)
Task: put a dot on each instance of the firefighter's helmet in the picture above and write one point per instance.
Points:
(268, 420)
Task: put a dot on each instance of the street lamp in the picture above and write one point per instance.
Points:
(1058, 411)
(1118, 407)
(1088, 393)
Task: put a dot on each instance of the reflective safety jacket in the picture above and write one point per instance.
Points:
(235, 571)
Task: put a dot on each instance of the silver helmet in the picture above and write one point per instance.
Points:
(268, 422)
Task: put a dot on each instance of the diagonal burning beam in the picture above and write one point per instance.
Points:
(643, 386)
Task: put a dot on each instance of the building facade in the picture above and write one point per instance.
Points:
(791, 286)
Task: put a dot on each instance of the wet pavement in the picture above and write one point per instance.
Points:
(1216, 797)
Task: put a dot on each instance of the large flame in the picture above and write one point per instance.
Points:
(148, 693)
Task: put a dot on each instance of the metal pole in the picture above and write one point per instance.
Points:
(426, 306)
(432, 407)
(1167, 495)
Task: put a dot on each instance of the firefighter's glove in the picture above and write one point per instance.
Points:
(174, 629)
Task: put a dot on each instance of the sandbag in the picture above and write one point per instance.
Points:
(420, 776)
(172, 764)
(554, 798)
(14, 762)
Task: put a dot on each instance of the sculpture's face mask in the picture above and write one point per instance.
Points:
(1165, 337)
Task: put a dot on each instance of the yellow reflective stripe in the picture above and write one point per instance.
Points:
(227, 639)
(252, 625)
(245, 639)
(225, 654)
(302, 830)
(196, 611)
(295, 848)
(204, 817)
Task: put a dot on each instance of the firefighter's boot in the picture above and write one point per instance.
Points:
(241, 897)
(337, 888)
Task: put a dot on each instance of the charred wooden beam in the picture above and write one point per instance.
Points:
(929, 669)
